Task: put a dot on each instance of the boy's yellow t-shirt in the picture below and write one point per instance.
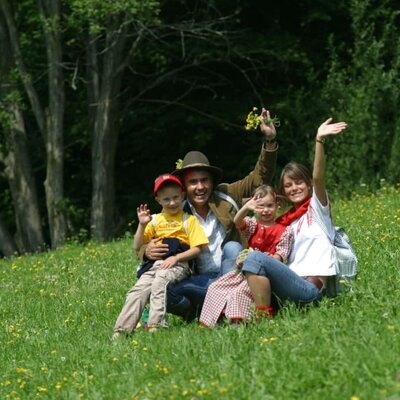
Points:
(172, 226)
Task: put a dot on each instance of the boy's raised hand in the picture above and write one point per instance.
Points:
(143, 214)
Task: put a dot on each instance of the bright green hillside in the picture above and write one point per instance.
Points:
(58, 310)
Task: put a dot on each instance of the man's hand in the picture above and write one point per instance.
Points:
(155, 250)
(267, 129)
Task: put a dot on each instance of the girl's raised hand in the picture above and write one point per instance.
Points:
(255, 204)
(327, 129)
(143, 214)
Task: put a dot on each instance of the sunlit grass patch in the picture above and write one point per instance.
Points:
(58, 310)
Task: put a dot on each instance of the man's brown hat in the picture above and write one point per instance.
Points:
(197, 160)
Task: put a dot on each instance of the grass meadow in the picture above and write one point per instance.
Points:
(58, 309)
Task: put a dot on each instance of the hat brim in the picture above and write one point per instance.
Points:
(216, 172)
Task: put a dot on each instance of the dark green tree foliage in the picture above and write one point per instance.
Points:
(362, 88)
(270, 56)
(189, 72)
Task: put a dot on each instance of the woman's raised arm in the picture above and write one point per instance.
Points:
(326, 129)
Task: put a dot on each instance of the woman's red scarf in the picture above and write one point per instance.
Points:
(293, 214)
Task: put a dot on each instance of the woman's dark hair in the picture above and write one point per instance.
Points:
(295, 171)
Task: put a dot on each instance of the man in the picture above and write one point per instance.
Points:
(215, 205)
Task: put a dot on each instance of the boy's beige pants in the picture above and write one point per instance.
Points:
(152, 284)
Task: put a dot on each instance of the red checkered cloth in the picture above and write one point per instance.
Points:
(229, 295)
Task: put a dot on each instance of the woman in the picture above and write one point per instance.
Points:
(311, 261)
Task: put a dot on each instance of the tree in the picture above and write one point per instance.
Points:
(15, 156)
(362, 88)
(128, 36)
(50, 119)
(112, 32)
(7, 245)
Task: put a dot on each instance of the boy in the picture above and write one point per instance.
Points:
(185, 237)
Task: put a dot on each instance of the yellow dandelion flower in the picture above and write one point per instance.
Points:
(178, 164)
(391, 327)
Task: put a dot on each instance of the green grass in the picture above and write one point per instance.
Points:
(58, 310)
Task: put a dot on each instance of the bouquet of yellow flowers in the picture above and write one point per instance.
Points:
(254, 119)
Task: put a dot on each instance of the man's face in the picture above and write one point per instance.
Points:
(199, 186)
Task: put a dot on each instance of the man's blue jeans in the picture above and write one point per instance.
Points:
(186, 297)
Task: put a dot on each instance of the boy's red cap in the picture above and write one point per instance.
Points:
(166, 178)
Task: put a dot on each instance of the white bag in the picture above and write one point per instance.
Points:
(346, 260)
(346, 264)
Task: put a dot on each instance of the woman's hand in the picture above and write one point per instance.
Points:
(327, 129)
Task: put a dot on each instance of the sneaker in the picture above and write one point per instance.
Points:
(116, 336)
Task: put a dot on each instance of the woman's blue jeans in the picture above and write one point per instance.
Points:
(186, 297)
(285, 284)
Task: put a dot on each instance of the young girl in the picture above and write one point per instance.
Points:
(230, 294)
(312, 259)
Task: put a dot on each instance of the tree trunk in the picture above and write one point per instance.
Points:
(7, 245)
(29, 234)
(105, 132)
(51, 128)
(23, 188)
(393, 168)
(54, 183)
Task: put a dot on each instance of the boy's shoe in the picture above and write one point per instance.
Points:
(116, 336)
(152, 329)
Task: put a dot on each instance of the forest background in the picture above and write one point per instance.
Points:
(97, 98)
